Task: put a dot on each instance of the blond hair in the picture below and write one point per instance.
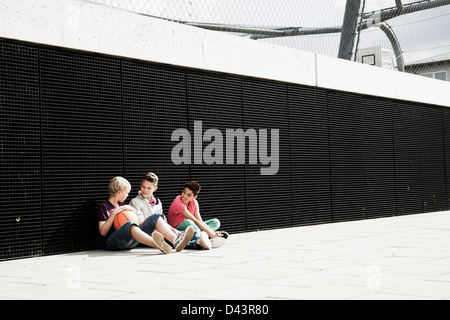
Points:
(118, 184)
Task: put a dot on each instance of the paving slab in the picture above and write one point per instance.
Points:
(397, 258)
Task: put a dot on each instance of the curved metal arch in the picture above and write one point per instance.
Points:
(395, 45)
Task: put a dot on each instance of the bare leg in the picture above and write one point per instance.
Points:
(141, 237)
(165, 230)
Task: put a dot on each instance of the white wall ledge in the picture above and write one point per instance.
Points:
(95, 28)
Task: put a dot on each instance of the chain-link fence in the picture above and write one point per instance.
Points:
(405, 35)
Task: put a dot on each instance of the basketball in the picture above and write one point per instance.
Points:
(123, 217)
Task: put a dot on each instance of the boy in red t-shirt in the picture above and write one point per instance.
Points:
(184, 212)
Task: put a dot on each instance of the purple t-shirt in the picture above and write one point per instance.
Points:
(103, 212)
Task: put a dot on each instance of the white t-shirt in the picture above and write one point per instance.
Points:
(144, 209)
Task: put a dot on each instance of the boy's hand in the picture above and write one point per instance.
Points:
(122, 208)
(127, 207)
(213, 234)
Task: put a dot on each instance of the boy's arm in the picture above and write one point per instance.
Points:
(105, 226)
(198, 216)
(138, 210)
(200, 224)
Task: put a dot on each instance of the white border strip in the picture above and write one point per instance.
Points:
(96, 28)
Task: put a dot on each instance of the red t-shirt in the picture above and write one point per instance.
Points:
(174, 216)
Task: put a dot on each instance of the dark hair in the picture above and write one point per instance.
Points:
(151, 177)
(194, 186)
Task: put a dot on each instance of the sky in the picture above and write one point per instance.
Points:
(422, 34)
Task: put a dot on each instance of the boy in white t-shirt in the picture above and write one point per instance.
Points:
(145, 203)
(149, 210)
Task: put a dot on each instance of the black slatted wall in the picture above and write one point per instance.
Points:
(268, 197)
(20, 143)
(216, 102)
(407, 157)
(432, 158)
(154, 104)
(378, 152)
(309, 145)
(346, 156)
(71, 121)
(446, 122)
(81, 142)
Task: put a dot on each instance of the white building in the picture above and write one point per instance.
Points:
(437, 67)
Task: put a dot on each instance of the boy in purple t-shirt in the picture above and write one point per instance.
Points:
(130, 234)
(185, 212)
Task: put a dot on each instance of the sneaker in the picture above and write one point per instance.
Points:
(160, 243)
(204, 241)
(224, 234)
(183, 238)
(217, 242)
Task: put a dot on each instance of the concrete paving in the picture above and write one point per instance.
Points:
(404, 257)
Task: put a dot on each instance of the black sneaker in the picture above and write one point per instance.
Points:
(224, 234)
